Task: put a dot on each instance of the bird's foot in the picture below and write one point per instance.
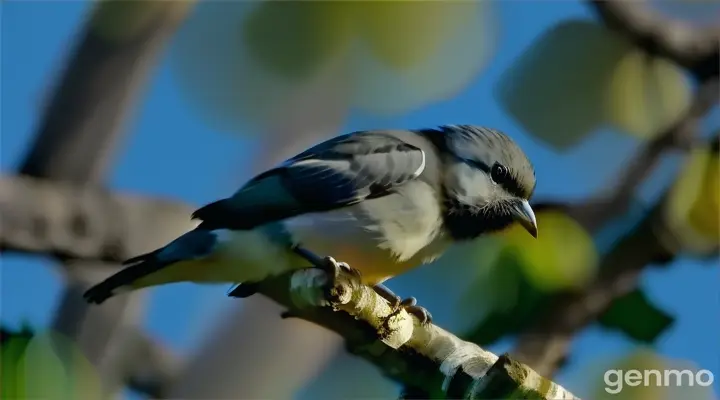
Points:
(328, 264)
(409, 305)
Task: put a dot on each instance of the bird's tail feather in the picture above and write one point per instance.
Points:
(141, 258)
(139, 267)
(192, 245)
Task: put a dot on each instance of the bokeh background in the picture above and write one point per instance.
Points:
(185, 101)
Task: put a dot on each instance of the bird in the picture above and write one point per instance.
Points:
(381, 201)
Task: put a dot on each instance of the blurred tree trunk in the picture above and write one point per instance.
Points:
(254, 342)
(76, 141)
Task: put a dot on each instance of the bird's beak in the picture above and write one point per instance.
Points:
(525, 216)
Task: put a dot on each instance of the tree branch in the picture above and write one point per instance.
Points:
(423, 356)
(88, 223)
(694, 48)
(419, 355)
(594, 213)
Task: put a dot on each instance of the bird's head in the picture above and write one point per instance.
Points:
(487, 179)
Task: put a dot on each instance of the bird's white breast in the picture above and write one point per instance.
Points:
(380, 237)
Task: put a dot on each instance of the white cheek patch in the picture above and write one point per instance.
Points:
(468, 183)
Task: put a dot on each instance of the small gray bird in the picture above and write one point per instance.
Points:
(382, 201)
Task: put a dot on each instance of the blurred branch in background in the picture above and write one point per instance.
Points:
(251, 339)
(694, 48)
(129, 223)
(76, 142)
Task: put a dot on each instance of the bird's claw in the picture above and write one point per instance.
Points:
(328, 264)
(334, 268)
(409, 304)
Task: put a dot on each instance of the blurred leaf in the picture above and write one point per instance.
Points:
(120, 21)
(265, 58)
(12, 347)
(54, 368)
(692, 209)
(294, 38)
(646, 94)
(556, 89)
(526, 270)
(635, 316)
(494, 286)
(44, 372)
(562, 257)
(402, 34)
(381, 87)
(522, 300)
(235, 92)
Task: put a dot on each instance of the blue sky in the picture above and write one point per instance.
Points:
(172, 152)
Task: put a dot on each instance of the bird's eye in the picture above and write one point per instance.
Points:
(499, 173)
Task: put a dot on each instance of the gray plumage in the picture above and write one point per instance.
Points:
(384, 201)
(337, 173)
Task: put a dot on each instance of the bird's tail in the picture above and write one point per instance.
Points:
(192, 245)
(137, 267)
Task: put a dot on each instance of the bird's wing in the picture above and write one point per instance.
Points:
(339, 172)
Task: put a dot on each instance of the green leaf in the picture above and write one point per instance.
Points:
(556, 89)
(12, 347)
(382, 87)
(235, 90)
(521, 303)
(635, 316)
(646, 94)
(52, 357)
(44, 365)
(402, 34)
(692, 208)
(294, 38)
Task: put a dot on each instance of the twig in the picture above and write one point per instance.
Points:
(694, 48)
(594, 213)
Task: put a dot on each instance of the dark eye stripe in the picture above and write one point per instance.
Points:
(477, 165)
(510, 184)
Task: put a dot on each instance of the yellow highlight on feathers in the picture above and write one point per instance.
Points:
(242, 256)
